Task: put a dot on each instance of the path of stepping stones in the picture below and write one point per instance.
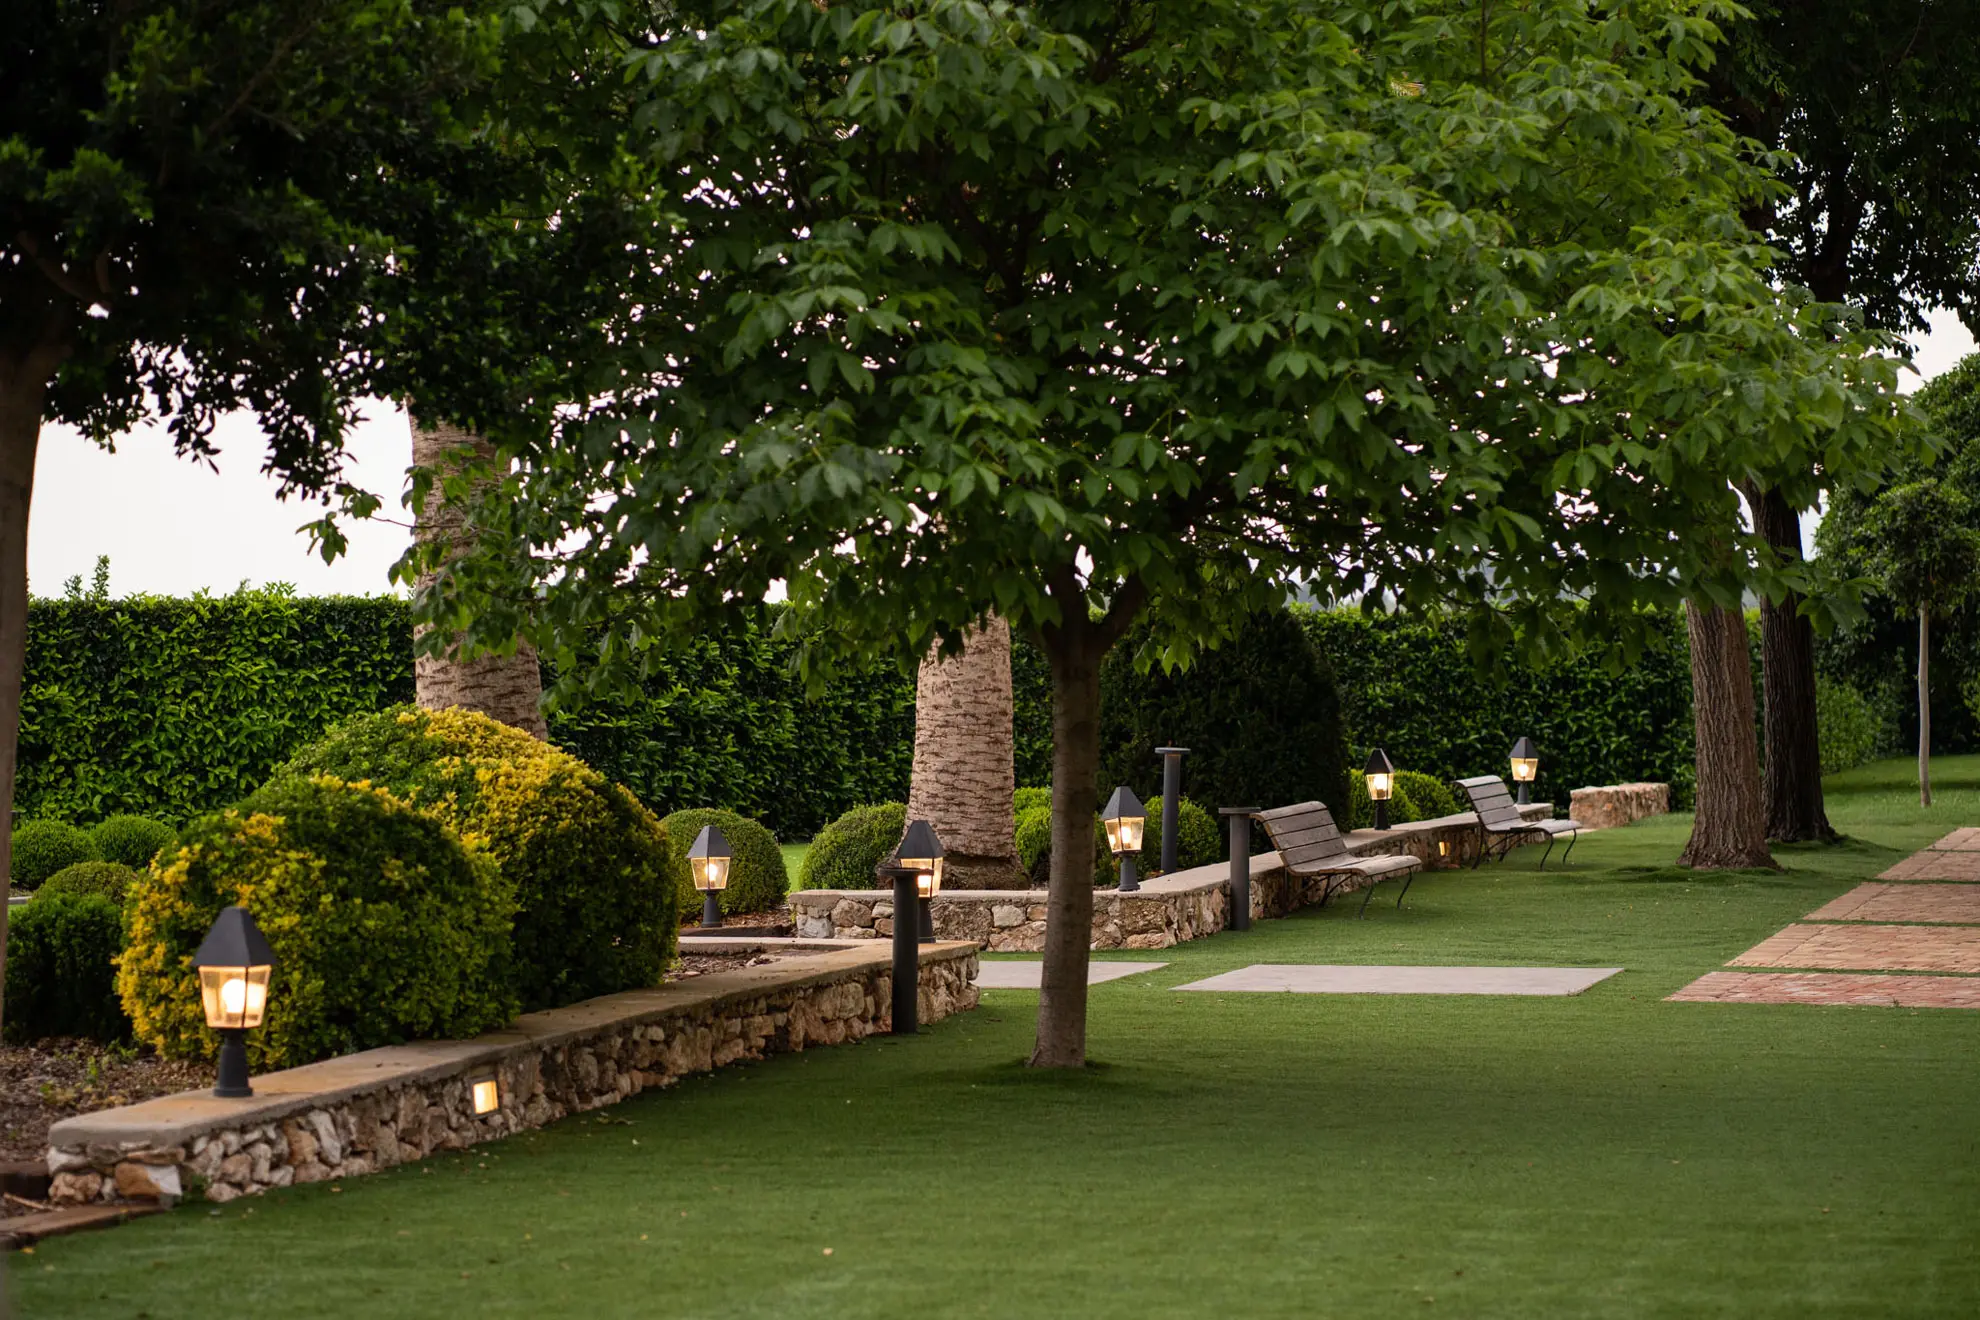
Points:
(1922, 915)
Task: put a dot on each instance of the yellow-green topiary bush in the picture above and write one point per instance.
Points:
(385, 927)
(597, 882)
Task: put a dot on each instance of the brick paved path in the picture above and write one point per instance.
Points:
(1856, 933)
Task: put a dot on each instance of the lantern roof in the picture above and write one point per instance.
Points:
(711, 842)
(1379, 763)
(234, 941)
(919, 843)
(1123, 804)
(1525, 750)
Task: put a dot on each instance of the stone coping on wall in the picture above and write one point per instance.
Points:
(381, 1107)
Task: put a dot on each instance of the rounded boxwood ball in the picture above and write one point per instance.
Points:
(845, 853)
(110, 880)
(61, 969)
(132, 840)
(757, 878)
(1198, 840)
(43, 847)
(1428, 795)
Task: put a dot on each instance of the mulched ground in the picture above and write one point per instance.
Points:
(56, 1079)
(698, 964)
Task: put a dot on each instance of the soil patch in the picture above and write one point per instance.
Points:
(50, 1080)
(701, 964)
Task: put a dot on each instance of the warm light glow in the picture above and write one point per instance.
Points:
(1524, 768)
(1379, 787)
(709, 872)
(1124, 834)
(233, 996)
(1443, 847)
(924, 884)
(487, 1096)
(928, 877)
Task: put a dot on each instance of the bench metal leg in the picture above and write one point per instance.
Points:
(1479, 857)
(1549, 853)
(1572, 836)
(1365, 897)
(1407, 877)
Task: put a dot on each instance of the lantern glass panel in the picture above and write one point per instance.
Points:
(924, 883)
(1380, 787)
(928, 877)
(1524, 768)
(709, 872)
(234, 997)
(1125, 833)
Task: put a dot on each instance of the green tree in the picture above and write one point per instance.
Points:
(1091, 313)
(286, 207)
(1873, 109)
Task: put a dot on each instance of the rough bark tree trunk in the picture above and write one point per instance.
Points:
(964, 760)
(1924, 707)
(1793, 767)
(1075, 653)
(23, 393)
(1729, 830)
(508, 688)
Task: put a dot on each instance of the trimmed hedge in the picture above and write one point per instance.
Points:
(847, 852)
(384, 927)
(1429, 796)
(597, 885)
(111, 880)
(44, 847)
(62, 966)
(758, 879)
(1199, 842)
(131, 840)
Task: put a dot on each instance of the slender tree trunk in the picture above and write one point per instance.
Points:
(1924, 706)
(1793, 769)
(1729, 830)
(508, 688)
(1075, 652)
(964, 760)
(23, 393)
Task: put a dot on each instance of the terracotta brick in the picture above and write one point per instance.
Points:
(1832, 988)
(1937, 864)
(1965, 840)
(1869, 948)
(1949, 904)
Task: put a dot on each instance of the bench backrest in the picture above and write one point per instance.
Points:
(1491, 800)
(1304, 834)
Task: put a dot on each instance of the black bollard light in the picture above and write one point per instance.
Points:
(1126, 821)
(916, 870)
(1171, 801)
(708, 864)
(1381, 783)
(234, 963)
(1240, 819)
(1525, 768)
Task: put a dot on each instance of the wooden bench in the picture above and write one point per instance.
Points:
(1309, 844)
(1498, 816)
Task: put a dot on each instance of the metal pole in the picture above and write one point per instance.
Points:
(927, 923)
(907, 954)
(711, 910)
(1525, 794)
(1128, 882)
(232, 1082)
(1171, 796)
(1240, 818)
(1381, 813)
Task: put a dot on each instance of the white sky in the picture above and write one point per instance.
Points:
(172, 527)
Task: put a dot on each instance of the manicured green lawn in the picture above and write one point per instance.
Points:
(1234, 1155)
(794, 858)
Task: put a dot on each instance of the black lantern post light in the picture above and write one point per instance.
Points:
(234, 963)
(1381, 785)
(708, 863)
(1525, 768)
(1127, 820)
(1171, 802)
(916, 870)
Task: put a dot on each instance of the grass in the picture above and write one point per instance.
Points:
(1244, 1155)
(794, 858)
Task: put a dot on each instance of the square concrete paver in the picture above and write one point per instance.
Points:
(1869, 948)
(1937, 864)
(1832, 988)
(1349, 979)
(1025, 975)
(1966, 840)
(1951, 904)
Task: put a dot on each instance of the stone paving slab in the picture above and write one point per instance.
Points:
(1937, 864)
(1832, 988)
(1950, 904)
(991, 975)
(1965, 840)
(1869, 948)
(1351, 979)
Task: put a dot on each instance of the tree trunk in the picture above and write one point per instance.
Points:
(1924, 706)
(1075, 652)
(1793, 769)
(508, 688)
(23, 391)
(964, 760)
(1729, 830)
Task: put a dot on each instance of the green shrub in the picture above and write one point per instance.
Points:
(1026, 798)
(385, 927)
(131, 840)
(598, 886)
(1034, 845)
(111, 880)
(43, 847)
(1429, 797)
(757, 878)
(1198, 840)
(1361, 811)
(1847, 726)
(845, 853)
(61, 968)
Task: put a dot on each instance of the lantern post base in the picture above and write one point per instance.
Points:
(232, 1082)
(927, 923)
(1130, 882)
(1240, 819)
(1525, 793)
(1381, 814)
(711, 910)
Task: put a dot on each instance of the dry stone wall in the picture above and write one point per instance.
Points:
(1618, 804)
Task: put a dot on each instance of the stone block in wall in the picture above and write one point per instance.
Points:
(1609, 805)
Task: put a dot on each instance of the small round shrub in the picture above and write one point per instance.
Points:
(109, 879)
(1198, 840)
(1362, 811)
(43, 847)
(1025, 799)
(597, 885)
(131, 840)
(845, 853)
(385, 927)
(62, 966)
(1429, 796)
(1034, 845)
(757, 878)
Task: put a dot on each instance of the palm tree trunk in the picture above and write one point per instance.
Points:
(1730, 828)
(508, 688)
(1924, 706)
(964, 754)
